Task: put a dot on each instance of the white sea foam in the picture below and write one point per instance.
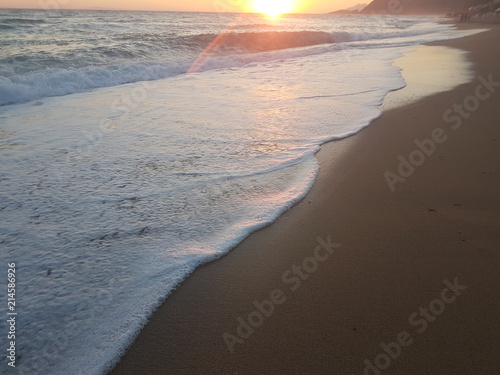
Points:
(110, 198)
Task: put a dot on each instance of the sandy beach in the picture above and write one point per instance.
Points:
(388, 266)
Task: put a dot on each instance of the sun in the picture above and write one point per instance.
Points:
(273, 8)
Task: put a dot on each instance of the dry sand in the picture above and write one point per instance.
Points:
(396, 251)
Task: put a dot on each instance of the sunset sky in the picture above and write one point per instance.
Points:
(305, 6)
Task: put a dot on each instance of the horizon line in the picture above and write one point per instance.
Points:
(159, 10)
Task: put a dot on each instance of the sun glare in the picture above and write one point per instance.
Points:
(273, 8)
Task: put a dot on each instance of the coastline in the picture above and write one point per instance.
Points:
(396, 251)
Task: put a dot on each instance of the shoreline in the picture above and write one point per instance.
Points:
(438, 222)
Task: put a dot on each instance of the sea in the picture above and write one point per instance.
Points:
(136, 146)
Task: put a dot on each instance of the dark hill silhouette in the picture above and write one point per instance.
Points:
(420, 6)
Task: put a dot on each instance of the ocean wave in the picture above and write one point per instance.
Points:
(252, 42)
(22, 21)
(57, 82)
(257, 26)
(17, 88)
(345, 37)
(227, 50)
(147, 55)
(261, 41)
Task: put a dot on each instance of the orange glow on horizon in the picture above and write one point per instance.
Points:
(233, 6)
